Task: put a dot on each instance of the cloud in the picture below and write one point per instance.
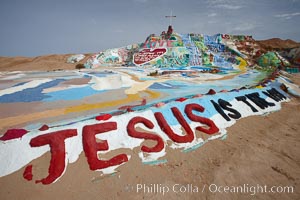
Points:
(118, 31)
(229, 7)
(245, 27)
(93, 21)
(212, 22)
(214, 2)
(225, 4)
(212, 14)
(287, 15)
(141, 1)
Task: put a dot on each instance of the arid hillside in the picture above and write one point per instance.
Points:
(277, 43)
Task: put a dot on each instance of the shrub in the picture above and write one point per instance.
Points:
(80, 66)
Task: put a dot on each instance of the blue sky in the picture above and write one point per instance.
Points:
(39, 27)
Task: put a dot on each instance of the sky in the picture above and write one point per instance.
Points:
(41, 27)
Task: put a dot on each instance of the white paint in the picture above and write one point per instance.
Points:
(12, 160)
(109, 82)
(148, 157)
(75, 58)
(292, 88)
(106, 83)
(13, 75)
(31, 84)
(61, 88)
(112, 169)
(16, 153)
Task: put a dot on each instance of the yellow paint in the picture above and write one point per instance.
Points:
(259, 87)
(139, 87)
(243, 64)
(153, 94)
(22, 119)
(130, 98)
(85, 107)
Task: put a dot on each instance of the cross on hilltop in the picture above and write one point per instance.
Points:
(170, 16)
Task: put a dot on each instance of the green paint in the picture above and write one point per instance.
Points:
(193, 148)
(155, 162)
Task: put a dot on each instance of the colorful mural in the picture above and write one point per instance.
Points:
(269, 59)
(185, 50)
(167, 90)
(116, 56)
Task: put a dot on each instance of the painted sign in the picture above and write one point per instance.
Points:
(147, 55)
(163, 124)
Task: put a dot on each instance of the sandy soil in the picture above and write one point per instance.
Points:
(40, 63)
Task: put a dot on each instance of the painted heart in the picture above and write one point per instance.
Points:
(146, 55)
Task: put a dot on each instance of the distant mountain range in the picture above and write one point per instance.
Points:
(277, 43)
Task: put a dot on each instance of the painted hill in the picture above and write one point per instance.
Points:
(174, 50)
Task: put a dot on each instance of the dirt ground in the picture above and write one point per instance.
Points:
(40, 63)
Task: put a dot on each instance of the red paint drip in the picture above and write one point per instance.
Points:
(13, 134)
(129, 108)
(211, 92)
(198, 96)
(181, 99)
(27, 174)
(44, 127)
(160, 104)
(103, 117)
(224, 91)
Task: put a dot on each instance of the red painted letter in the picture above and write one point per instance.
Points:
(56, 141)
(189, 112)
(164, 126)
(90, 146)
(136, 134)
